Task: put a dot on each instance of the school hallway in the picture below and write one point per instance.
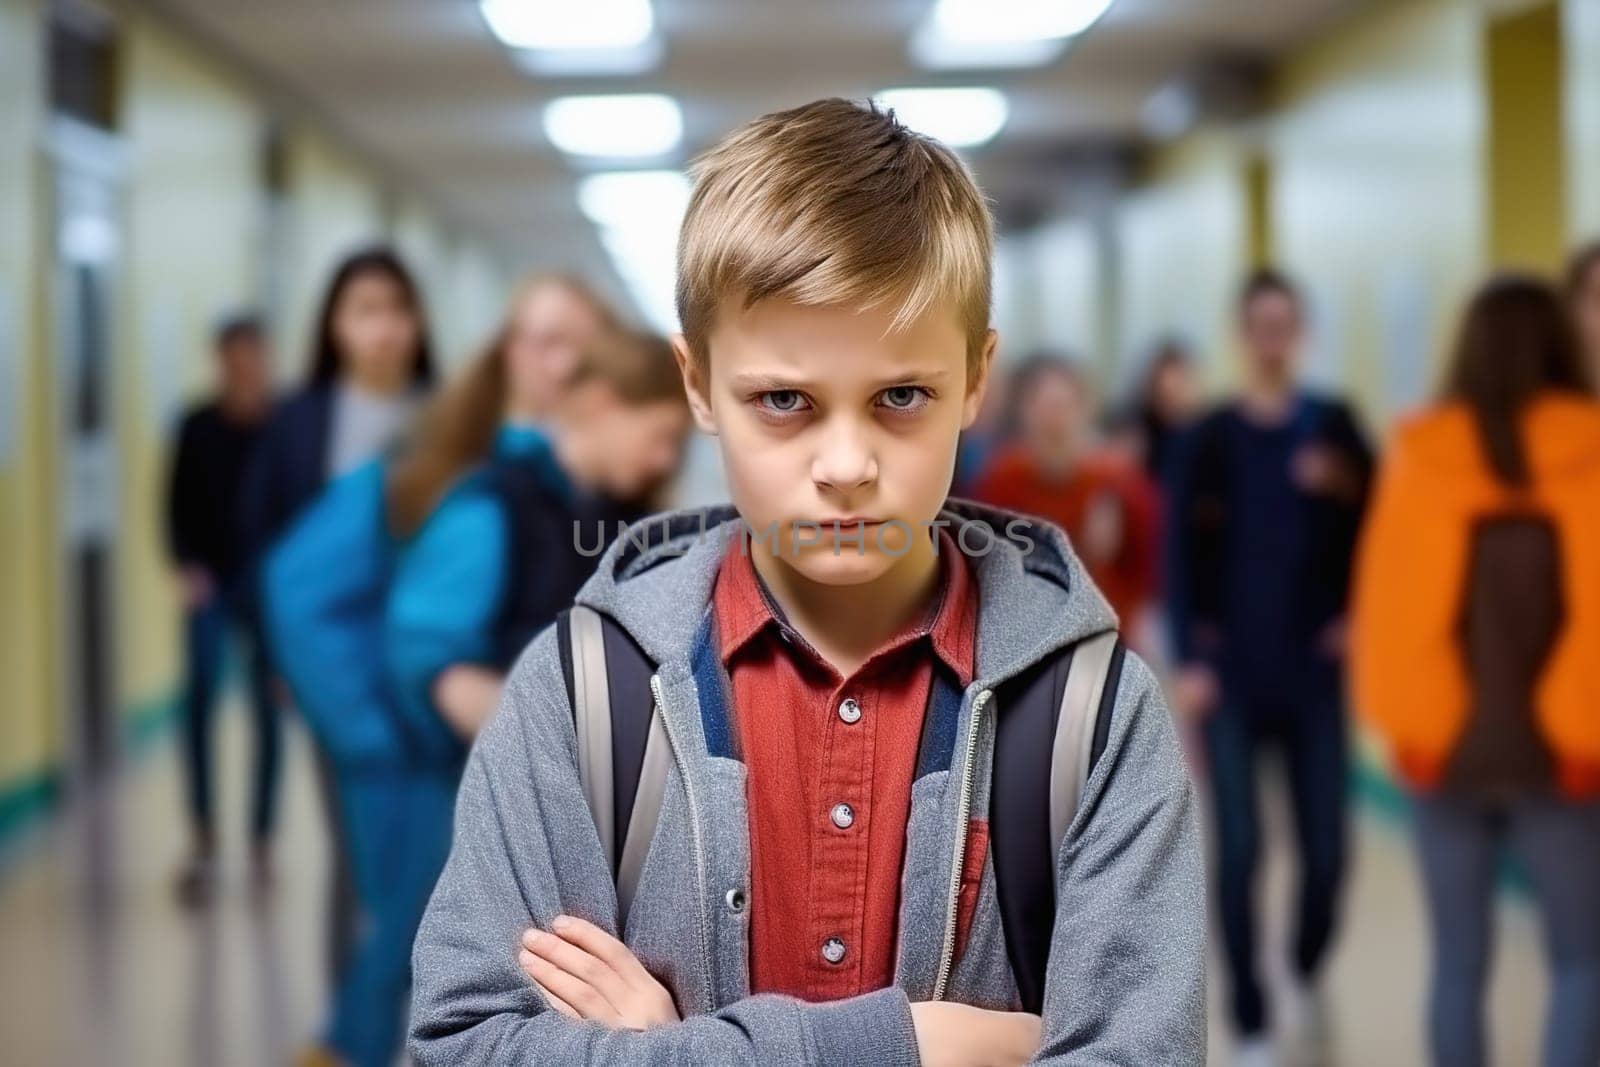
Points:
(102, 966)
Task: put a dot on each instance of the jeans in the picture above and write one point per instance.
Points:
(1460, 842)
(1310, 732)
(396, 826)
(208, 629)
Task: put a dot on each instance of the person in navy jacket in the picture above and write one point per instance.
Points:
(371, 366)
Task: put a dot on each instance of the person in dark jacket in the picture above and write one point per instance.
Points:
(371, 366)
(215, 442)
(1266, 501)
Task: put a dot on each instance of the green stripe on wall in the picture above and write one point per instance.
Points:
(26, 800)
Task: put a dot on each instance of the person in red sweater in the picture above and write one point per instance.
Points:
(1058, 471)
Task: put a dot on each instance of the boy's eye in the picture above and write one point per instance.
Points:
(904, 397)
(781, 401)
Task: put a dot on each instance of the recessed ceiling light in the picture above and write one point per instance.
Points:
(1001, 33)
(961, 118)
(615, 127)
(565, 37)
(569, 24)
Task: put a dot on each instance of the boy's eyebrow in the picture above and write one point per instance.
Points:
(764, 381)
(913, 376)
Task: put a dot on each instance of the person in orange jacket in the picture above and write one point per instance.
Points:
(1476, 654)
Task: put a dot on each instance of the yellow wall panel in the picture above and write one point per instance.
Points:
(195, 209)
(1378, 196)
(29, 732)
(1526, 153)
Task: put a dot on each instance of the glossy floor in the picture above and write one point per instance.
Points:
(101, 966)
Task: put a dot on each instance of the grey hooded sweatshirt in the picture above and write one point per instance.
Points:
(1125, 982)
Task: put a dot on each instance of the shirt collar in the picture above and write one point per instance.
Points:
(745, 608)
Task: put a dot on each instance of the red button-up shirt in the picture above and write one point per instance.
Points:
(829, 784)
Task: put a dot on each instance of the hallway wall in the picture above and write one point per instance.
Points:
(199, 237)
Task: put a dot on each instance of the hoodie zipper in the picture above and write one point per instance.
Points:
(695, 838)
(947, 954)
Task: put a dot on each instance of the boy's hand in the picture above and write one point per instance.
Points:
(956, 1035)
(586, 973)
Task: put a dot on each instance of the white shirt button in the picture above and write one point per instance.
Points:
(843, 815)
(850, 711)
(833, 950)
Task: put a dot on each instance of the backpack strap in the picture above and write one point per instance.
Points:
(1054, 723)
(1073, 752)
(623, 751)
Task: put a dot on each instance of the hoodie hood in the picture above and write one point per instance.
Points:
(1561, 435)
(656, 580)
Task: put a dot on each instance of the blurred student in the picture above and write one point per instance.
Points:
(525, 510)
(1476, 655)
(1166, 404)
(371, 365)
(459, 547)
(1583, 297)
(987, 436)
(1266, 500)
(1057, 470)
(214, 445)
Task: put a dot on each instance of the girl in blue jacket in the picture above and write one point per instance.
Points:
(410, 564)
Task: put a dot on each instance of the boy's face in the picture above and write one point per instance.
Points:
(826, 413)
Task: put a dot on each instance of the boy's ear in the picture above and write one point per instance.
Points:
(978, 383)
(696, 387)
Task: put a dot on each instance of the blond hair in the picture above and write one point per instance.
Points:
(834, 203)
(456, 431)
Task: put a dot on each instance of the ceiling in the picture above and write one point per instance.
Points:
(423, 87)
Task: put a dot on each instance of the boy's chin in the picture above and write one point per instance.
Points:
(846, 567)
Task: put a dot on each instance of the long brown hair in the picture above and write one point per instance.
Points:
(326, 365)
(1514, 343)
(457, 430)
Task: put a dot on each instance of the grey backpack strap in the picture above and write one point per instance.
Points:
(646, 813)
(591, 712)
(613, 792)
(1075, 728)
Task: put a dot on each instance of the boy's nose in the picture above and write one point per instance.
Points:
(845, 459)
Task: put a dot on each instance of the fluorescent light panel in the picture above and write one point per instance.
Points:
(565, 37)
(961, 118)
(1001, 33)
(581, 25)
(631, 125)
